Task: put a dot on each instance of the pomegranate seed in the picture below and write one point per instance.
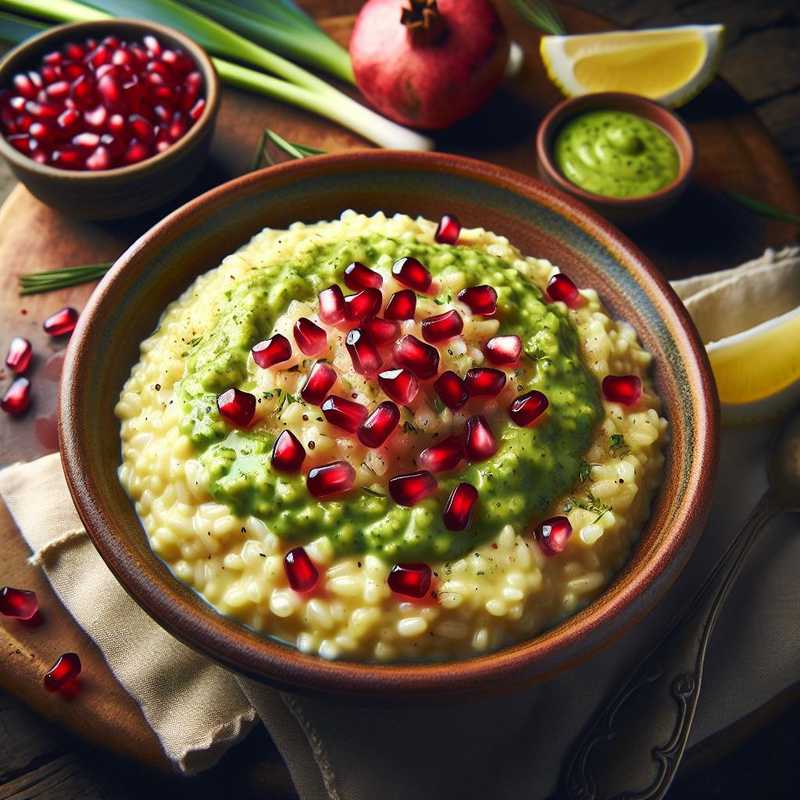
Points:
(365, 356)
(625, 389)
(381, 331)
(300, 570)
(379, 424)
(401, 305)
(310, 338)
(411, 580)
(359, 276)
(68, 158)
(68, 119)
(152, 44)
(141, 128)
(196, 111)
(399, 384)
(63, 672)
(237, 407)
(442, 456)
(19, 355)
(87, 140)
(18, 603)
(100, 159)
(58, 90)
(363, 304)
(287, 453)
(319, 382)
(410, 489)
(137, 151)
(459, 506)
(74, 52)
(442, 326)
(345, 414)
(561, 288)
(451, 390)
(482, 300)
(116, 124)
(504, 349)
(480, 441)
(53, 58)
(61, 323)
(44, 112)
(410, 272)
(449, 229)
(24, 85)
(96, 118)
(272, 351)
(416, 356)
(527, 408)
(330, 479)
(331, 305)
(552, 535)
(17, 398)
(484, 381)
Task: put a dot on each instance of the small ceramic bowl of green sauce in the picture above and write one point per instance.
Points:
(623, 155)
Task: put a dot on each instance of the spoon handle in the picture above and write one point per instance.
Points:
(632, 747)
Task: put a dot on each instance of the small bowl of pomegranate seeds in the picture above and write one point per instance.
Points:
(107, 119)
(452, 446)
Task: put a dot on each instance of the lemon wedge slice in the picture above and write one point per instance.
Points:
(669, 65)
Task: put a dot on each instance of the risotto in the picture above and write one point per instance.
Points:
(381, 439)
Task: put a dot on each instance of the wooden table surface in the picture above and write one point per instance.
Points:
(762, 61)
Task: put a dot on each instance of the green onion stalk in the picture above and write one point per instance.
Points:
(286, 82)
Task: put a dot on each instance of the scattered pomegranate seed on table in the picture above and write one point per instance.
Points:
(358, 276)
(451, 390)
(552, 535)
(480, 442)
(502, 350)
(310, 338)
(561, 288)
(399, 384)
(484, 382)
(62, 323)
(330, 479)
(331, 305)
(442, 456)
(412, 580)
(410, 489)
(381, 331)
(99, 106)
(301, 572)
(63, 672)
(319, 382)
(416, 356)
(442, 326)
(625, 389)
(237, 407)
(528, 408)
(412, 273)
(379, 425)
(481, 300)
(17, 399)
(459, 506)
(19, 355)
(362, 305)
(19, 604)
(345, 414)
(448, 230)
(402, 305)
(363, 353)
(288, 453)
(272, 351)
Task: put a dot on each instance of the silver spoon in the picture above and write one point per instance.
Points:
(634, 745)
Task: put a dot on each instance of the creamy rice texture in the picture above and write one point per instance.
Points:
(501, 591)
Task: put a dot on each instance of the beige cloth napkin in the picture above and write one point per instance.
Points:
(506, 747)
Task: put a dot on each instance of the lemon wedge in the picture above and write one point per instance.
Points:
(669, 65)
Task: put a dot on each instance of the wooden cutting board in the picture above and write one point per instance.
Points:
(705, 232)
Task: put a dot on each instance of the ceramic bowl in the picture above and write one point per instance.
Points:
(624, 211)
(125, 308)
(124, 191)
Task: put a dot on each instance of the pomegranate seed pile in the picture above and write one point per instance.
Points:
(99, 105)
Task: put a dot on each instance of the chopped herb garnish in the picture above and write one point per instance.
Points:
(617, 445)
(409, 427)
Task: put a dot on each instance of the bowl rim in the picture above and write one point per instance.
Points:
(52, 36)
(267, 660)
(651, 111)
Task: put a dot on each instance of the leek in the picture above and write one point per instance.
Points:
(293, 84)
(292, 149)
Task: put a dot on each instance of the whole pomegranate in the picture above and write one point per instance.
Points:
(428, 63)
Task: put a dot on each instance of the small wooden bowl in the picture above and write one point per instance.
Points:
(125, 309)
(624, 211)
(124, 191)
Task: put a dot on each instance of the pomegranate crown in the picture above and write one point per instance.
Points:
(423, 20)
